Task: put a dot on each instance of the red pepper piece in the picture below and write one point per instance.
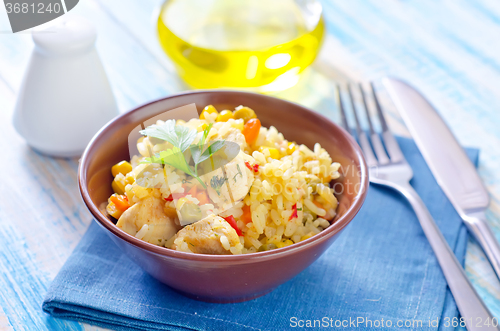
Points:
(294, 212)
(255, 167)
(230, 219)
(248, 165)
(177, 196)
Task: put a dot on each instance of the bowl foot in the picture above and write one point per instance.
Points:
(224, 300)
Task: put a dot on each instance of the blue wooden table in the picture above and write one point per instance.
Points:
(447, 49)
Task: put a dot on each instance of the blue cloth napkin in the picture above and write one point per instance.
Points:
(380, 273)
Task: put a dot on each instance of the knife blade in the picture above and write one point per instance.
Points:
(454, 172)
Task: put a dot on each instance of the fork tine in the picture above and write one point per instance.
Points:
(379, 109)
(376, 142)
(356, 119)
(372, 131)
(390, 142)
(340, 104)
(371, 160)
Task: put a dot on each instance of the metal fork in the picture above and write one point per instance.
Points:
(391, 169)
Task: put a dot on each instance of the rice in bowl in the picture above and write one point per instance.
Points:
(269, 194)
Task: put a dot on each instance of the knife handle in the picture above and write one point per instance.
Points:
(481, 231)
(470, 305)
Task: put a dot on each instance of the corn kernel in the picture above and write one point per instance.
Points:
(292, 147)
(245, 113)
(129, 178)
(267, 247)
(122, 167)
(113, 211)
(118, 187)
(273, 152)
(207, 110)
(306, 236)
(284, 243)
(202, 127)
(239, 124)
(224, 116)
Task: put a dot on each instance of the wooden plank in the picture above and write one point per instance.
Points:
(30, 231)
(447, 49)
(42, 217)
(460, 82)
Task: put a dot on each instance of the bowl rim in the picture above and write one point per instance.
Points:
(315, 240)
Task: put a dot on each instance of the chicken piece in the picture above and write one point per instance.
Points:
(211, 235)
(231, 183)
(236, 136)
(149, 211)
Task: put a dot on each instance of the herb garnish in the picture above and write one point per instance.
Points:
(239, 172)
(181, 139)
(217, 182)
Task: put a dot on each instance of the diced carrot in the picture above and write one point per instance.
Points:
(251, 130)
(202, 197)
(119, 202)
(319, 205)
(192, 191)
(247, 214)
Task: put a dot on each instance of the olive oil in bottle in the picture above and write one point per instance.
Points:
(262, 45)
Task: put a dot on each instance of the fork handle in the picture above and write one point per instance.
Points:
(480, 230)
(470, 305)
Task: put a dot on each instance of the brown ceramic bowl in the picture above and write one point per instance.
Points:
(226, 278)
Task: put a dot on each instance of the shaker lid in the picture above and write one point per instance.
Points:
(69, 35)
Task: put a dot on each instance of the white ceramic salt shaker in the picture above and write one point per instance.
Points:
(65, 96)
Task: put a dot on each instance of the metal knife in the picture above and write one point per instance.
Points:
(451, 167)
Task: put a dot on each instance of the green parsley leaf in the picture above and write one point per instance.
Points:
(214, 147)
(181, 138)
(172, 156)
(205, 134)
(178, 135)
